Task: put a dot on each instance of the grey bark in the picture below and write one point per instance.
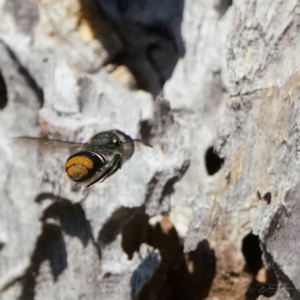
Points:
(213, 86)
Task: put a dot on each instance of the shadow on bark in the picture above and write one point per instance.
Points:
(114, 225)
(179, 275)
(222, 6)
(60, 218)
(29, 79)
(3, 92)
(50, 246)
(71, 217)
(151, 35)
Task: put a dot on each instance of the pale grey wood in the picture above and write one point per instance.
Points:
(228, 79)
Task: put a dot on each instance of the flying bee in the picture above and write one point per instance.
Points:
(95, 160)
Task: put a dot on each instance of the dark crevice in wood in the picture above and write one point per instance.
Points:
(268, 197)
(252, 253)
(253, 256)
(213, 161)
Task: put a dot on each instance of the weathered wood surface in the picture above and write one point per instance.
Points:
(178, 221)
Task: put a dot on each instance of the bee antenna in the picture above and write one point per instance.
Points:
(141, 141)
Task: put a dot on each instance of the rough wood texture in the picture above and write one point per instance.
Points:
(210, 212)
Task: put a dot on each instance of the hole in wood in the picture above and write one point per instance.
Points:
(213, 161)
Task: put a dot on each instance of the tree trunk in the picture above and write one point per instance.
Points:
(210, 211)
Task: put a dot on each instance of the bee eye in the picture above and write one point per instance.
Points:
(116, 141)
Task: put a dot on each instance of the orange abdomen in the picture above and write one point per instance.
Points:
(83, 165)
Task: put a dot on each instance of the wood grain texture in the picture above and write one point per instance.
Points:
(212, 85)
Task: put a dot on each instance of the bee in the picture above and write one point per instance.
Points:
(95, 160)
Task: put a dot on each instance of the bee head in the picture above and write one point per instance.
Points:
(115, 140)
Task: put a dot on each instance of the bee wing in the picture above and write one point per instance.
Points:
(95, 178)
(49, 145)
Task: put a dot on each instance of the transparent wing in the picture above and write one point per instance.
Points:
(95, 178)
(49, 145)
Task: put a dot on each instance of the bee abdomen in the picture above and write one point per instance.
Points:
(83, 165)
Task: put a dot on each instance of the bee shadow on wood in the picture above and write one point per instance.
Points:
(61, 218)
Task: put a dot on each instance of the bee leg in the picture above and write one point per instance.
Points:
(112, 167)
(115, 164)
